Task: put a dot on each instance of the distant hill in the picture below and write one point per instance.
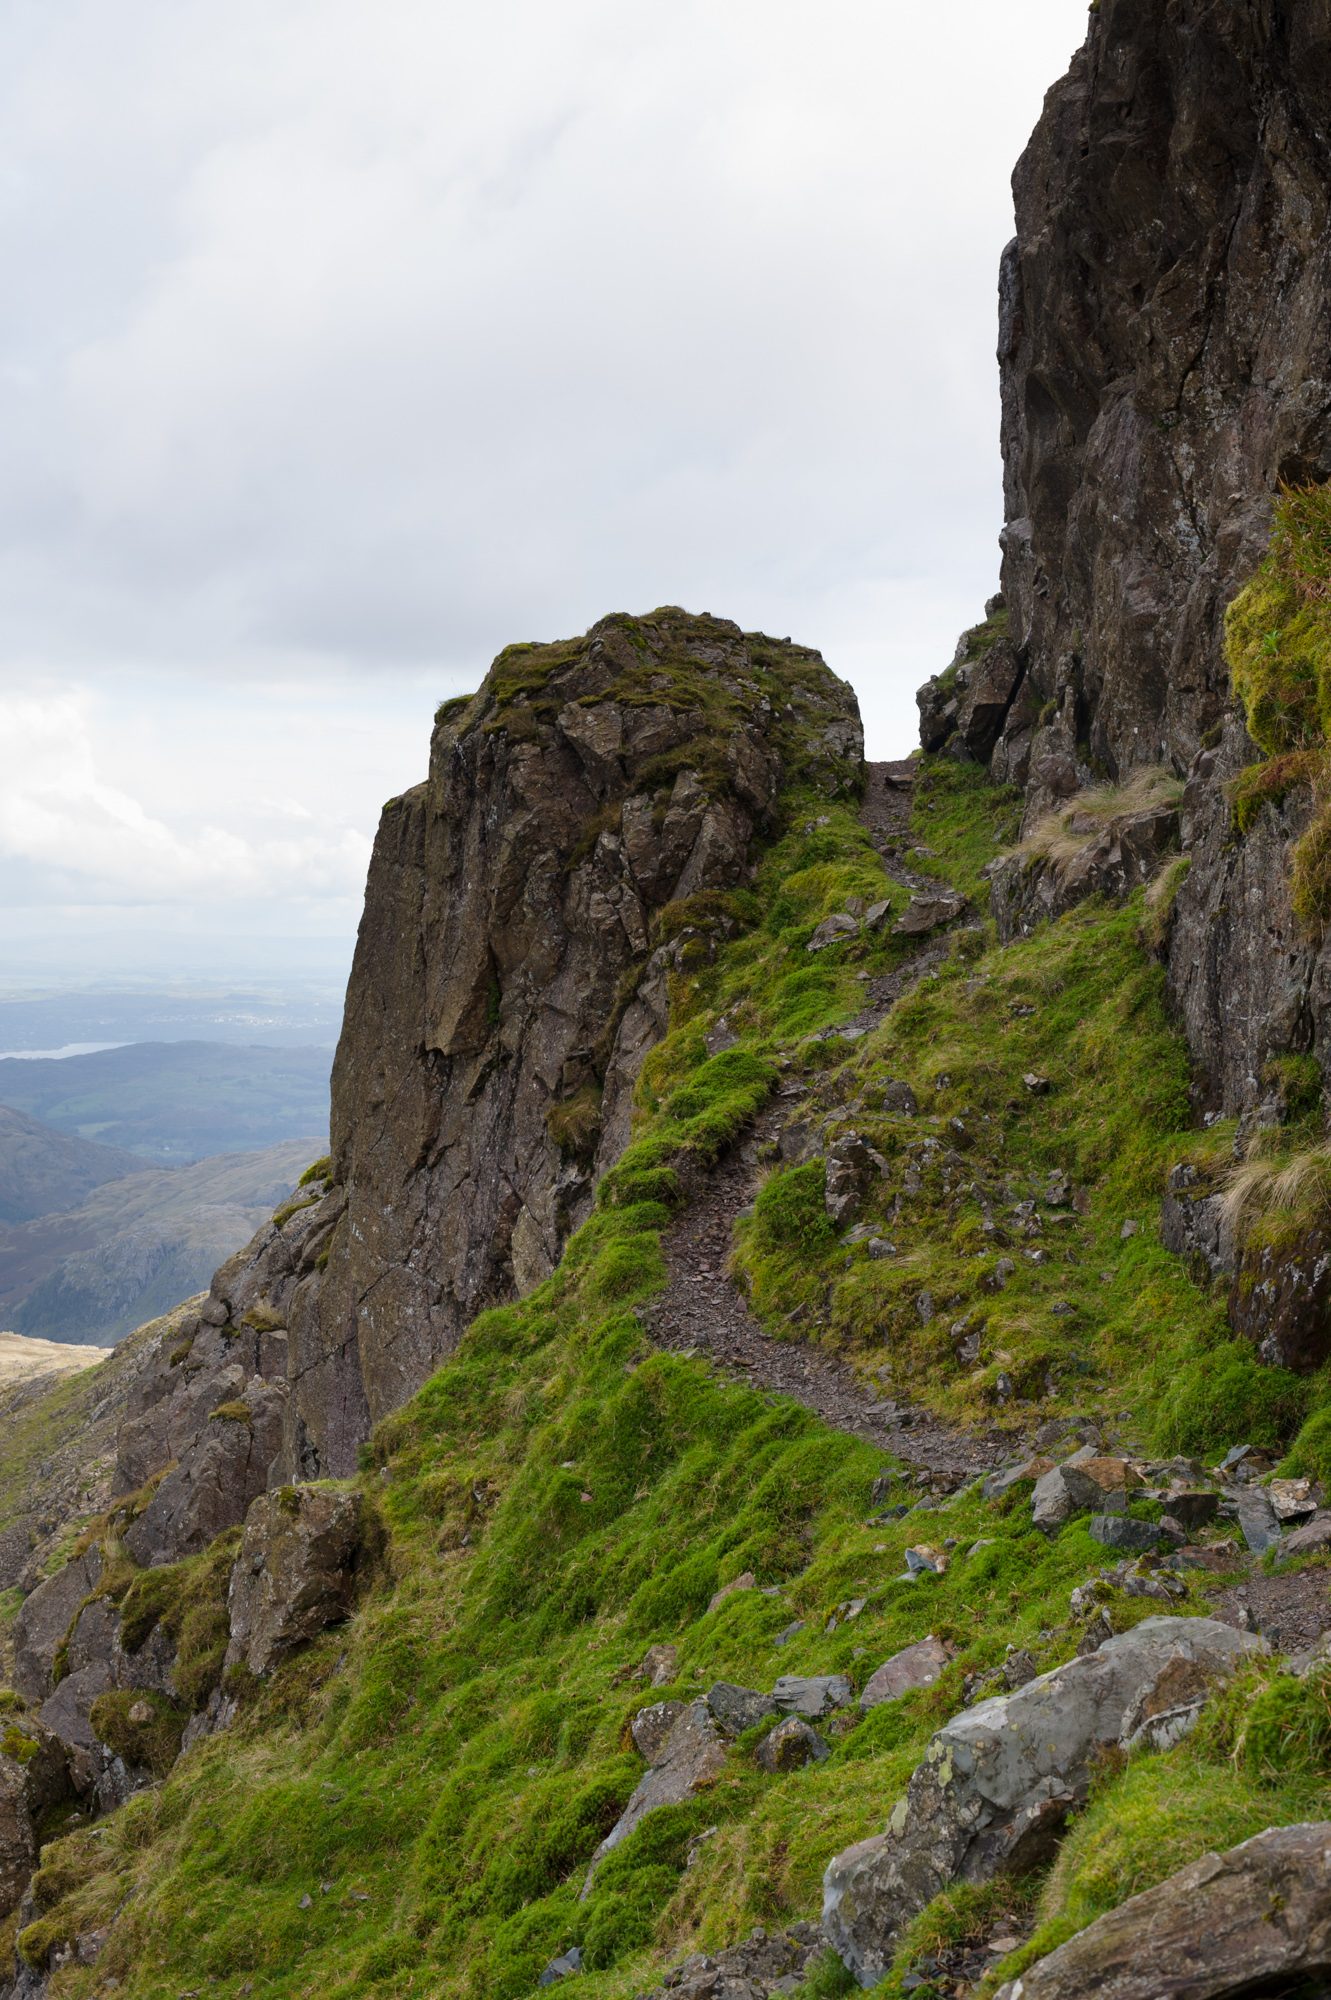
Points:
(303, 1015)
(172, 1102)
(42, 1170)
(137, 1245)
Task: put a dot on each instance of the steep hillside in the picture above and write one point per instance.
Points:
(592, 801)
(580, 1519)
(139, 1244)
(786, 1448)
(42, 1170)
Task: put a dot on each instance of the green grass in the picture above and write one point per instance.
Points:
(1278, 643)
(409, 1805)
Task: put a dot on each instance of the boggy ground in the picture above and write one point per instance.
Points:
(408, 1806)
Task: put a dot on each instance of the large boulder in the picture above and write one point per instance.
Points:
(915, 1666)
(295, 1572)
(1256, 1919)
(1085, 1483)
(691, 1757)
(34, 1775)
(998, 1781)
(44, 1621)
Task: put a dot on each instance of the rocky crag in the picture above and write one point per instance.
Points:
(1165, 355)
(786, 1448)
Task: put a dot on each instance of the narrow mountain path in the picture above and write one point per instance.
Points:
(702, 1310)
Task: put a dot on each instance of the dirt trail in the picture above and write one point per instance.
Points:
(702, 1310)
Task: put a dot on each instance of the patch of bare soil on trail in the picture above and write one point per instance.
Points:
(701, 1308)
(1291, 1611)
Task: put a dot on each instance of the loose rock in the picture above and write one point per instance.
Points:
(1256, 1918)
(999, 1780)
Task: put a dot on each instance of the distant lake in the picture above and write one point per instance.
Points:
(55, 1055)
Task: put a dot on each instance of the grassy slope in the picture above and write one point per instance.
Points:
(433, 1777)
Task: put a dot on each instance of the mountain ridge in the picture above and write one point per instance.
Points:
(787, 1446)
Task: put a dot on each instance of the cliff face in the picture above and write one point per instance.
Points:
(1165, 354)
(509, 980)
(1165, 358)
(585, 818)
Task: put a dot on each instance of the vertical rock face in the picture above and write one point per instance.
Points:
(1165, 349)
(522, 917)
(1165, 361)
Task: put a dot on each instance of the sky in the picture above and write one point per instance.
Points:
(342, 345)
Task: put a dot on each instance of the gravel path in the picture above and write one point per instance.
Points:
(702, 1311)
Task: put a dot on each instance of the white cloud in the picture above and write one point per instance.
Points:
(343, 345)
(64, 826)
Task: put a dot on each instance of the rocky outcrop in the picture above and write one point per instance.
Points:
(1105, 854)
(687, 1755)
(586, 815)
(34, 1775)
(1000, 1779)
(1165, 361)
(761, 1965)
(1165, 357)
(916, 1666)
(295, 1573)
(1256, 1919)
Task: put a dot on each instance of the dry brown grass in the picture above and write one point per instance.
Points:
(1300, 1185)
(1062, 834)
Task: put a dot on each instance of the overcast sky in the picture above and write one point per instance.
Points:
(342, 344)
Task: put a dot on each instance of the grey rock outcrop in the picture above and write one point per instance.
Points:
(914, 1667)
(1254, 1919)
(790, 1746)
(44, 1618)
(1165, 361)
(34, 1774)
(510, 977)
(1115, 858)
(691, 1756)
(295, 1573)
(999, 1780)
(812, 1695)
(758, 1967)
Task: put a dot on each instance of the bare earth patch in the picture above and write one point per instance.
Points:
(22, 1358)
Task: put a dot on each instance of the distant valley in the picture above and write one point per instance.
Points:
(303, 1015)
(127, 1176)
(140, 1243)
(173, 1102)
(42, 1170)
